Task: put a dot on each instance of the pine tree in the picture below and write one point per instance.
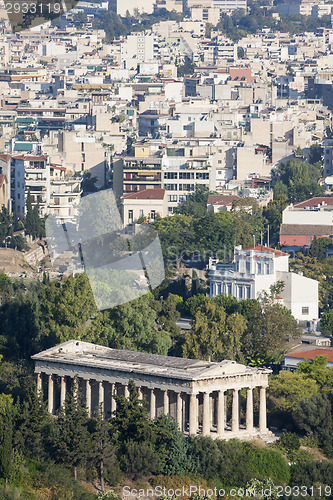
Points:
(32, 425)
(131, 418)
(29, 223)
(6, 435)
(102, 448)
(71, 441)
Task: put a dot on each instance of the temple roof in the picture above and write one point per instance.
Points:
(81, 353)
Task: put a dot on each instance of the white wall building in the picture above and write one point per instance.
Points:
(255, 270)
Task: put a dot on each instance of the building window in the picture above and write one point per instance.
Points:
(259, 268)
(18, 196)
(240, 292)
(141, 213)
(152, 214)
(172, 197)
(130, 216)
(248, 292)
(305, 310)
(229, 288)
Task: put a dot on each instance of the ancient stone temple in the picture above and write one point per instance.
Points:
(203, 397)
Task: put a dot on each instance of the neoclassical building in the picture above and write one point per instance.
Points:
(197, 394)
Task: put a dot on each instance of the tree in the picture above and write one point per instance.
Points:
(286, 389)
(29, 222)
(314, 415)
(6, 224)
(172, 447)
(70, 439)
(318, 247)
(32, 426)
(301, 179)
(316, 369)
(213, 335)
(130, 421)
(326, 323)
(6, 435)
(315, 153)
(269, 327)
(273, 211)
(133, 325)
(102, 449)
(196, 203)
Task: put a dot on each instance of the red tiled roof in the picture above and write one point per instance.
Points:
(5, 157)
(221, 199)
(314, 202)
(30, 157)
(145, 194)
(312, 354)
(306, 230)
(262, 248)
(57, 167)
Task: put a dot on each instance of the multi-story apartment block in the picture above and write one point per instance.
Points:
(135, 173)
(181, 174)
(138, 47)
(30, 174)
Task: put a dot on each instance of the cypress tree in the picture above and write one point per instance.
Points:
(6, 435)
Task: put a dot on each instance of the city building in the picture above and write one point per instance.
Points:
(145, 204)
(306, 220)
(292, 358)
(255, 270)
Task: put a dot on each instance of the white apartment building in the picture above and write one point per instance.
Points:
(255, 270)
(137, 48)
(180, 175)
(222, 5)
(32, 173)
(229, 5)
(121, 7)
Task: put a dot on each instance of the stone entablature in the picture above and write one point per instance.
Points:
(194, 392)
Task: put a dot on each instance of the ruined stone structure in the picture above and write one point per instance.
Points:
(197, 394)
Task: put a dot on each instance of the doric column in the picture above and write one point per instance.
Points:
(262, 410)
(225, 409)
(152, 404)
(206, 415)
(179, 411)
(76, 388)
(113, 402)
(193, 416)
(62, 391)
(88, 397)
(50, 395)
(249, 409)
(220, 413)
(39, 384)
(235, 411)
(126, 391)
(101, 397)
(165, 402)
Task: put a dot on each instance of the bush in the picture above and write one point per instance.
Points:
(289, 441)
(137, 459)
